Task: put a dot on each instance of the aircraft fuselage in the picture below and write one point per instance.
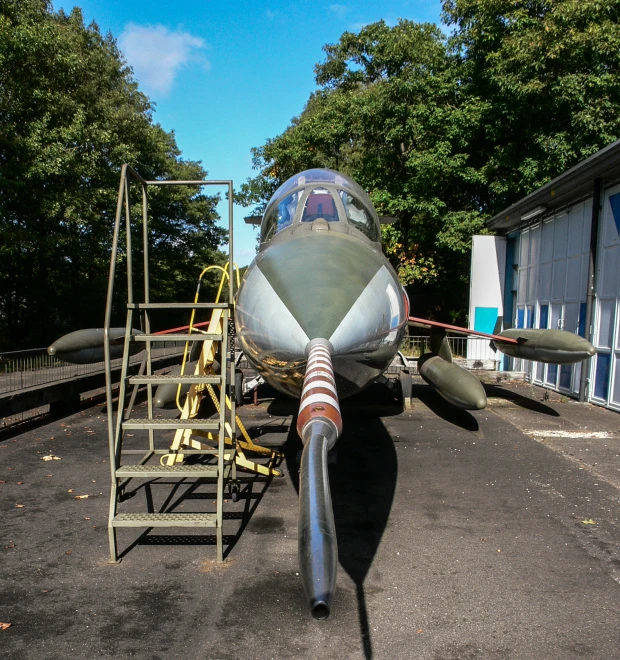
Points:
(320, 274)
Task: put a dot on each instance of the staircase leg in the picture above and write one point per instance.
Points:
(219, 534)
(113, 553)
(111, 529)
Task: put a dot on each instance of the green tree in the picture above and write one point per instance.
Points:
(548, 70)
(70, 116)
(391, 114)
(445, 131)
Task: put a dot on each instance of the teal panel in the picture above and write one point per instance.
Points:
(485, 318)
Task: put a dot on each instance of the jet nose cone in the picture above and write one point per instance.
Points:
(319, 278)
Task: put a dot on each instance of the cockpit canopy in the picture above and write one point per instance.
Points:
(320, 193)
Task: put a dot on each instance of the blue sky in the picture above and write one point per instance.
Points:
(226, 76)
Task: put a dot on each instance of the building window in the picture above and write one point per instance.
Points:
(581, 329)
(520, 317)
(601, 379)
(531, 316)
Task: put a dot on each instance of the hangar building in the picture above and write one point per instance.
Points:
(555, 263)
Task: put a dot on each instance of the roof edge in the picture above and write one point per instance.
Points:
(554, 193)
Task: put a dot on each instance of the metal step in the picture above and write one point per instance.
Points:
(165, 424)
(199, 336)
(154, 471)
(189, 379)
(183, 305)
(165, 520)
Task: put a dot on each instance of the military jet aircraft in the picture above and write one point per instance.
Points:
(320, 314)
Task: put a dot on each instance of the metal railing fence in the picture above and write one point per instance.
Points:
(475, 352)
(416, 346)
(22, 369)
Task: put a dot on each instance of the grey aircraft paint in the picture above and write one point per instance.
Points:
(323, 278)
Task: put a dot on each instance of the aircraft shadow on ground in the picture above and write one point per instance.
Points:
(520, 400)
(443, 409)
(362, 481)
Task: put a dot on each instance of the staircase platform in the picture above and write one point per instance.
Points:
(164, 520)
(176, 471)
(172, 424)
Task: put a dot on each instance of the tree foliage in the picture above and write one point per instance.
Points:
(549, 70)
(70, 116)
(445, 131)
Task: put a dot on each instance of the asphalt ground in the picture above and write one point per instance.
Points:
(492, 534)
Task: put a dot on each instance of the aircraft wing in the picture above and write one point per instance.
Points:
(413, 320)
(539, 344)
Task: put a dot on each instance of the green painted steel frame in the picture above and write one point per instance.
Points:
(115, 426)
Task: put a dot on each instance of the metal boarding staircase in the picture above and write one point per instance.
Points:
(218, 457)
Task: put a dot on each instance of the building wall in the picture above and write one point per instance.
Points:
(605, 374)
(552, 269)
(486, 294)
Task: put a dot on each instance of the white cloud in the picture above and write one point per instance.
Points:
(156, 54)
(339, 10)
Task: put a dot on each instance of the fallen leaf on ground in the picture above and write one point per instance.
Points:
(588, 521)
(20, 506)
(49, 475)
(4, 626)
(2, 481)
(20, 483)
(70, 490)
(81, 497)
(50, 457)
(68, 552)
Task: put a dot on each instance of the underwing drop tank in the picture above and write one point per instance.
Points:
(452, 382)
(86, 346)
(548, 346)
